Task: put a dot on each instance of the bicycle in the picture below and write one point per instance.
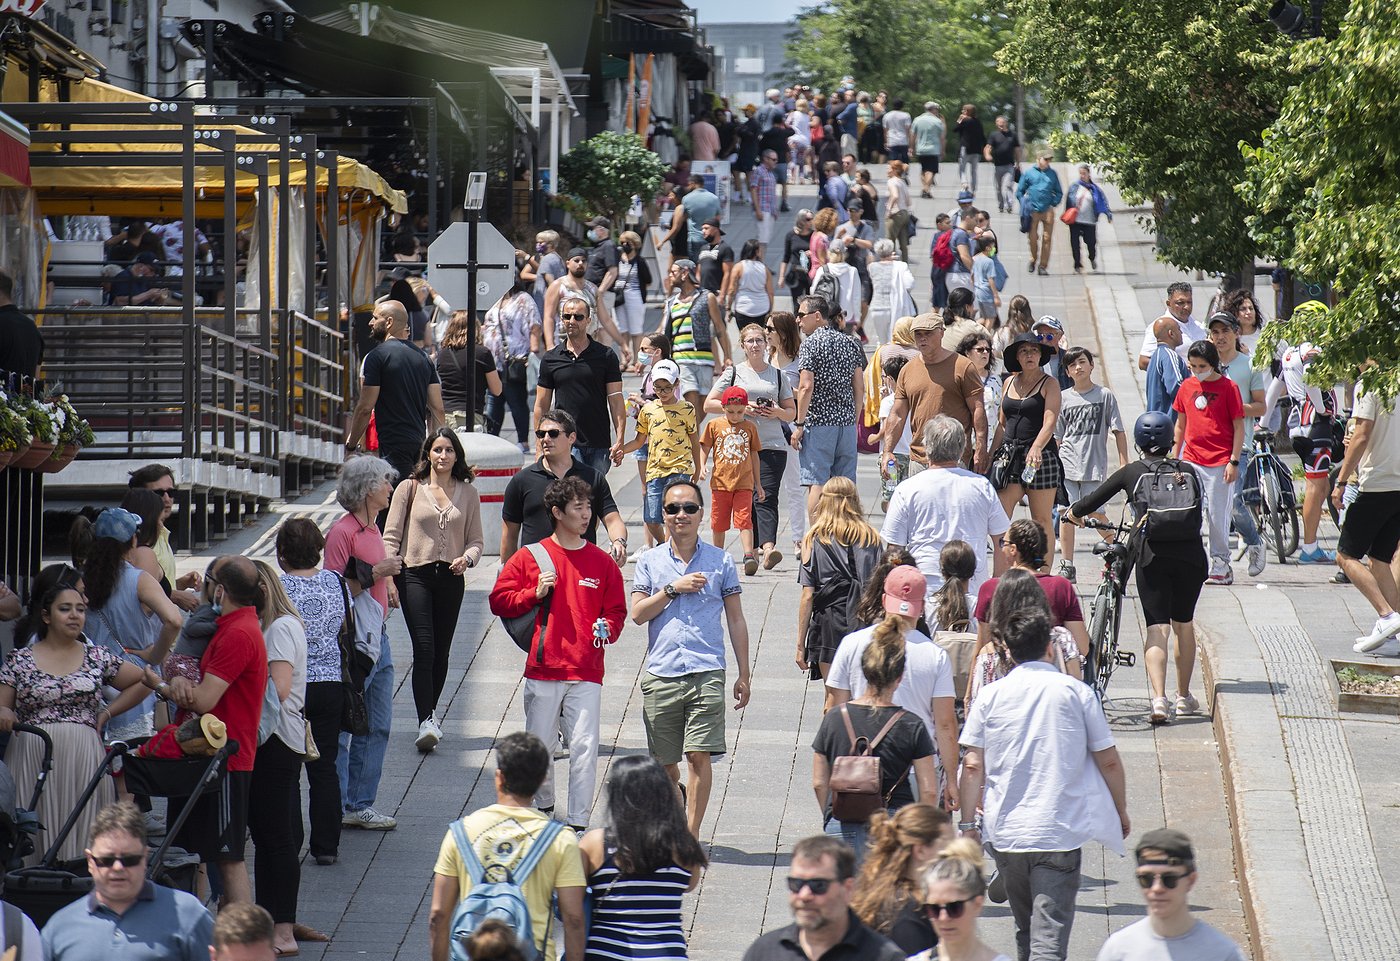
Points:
(1106, 608)
(1271, 497)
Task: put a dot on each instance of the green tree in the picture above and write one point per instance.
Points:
(600, 175)
(1323, 181)
(1163, 94)
(943, 50)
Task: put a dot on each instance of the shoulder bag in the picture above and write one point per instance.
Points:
(1070, 215)
(521, 628)
(855, 777)
(355, 667)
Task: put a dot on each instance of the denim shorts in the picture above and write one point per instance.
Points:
(656, 490)
(827, 452)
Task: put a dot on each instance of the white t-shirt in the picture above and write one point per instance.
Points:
(1138, 942)
(1037, 729)
(1380, 465)
(944, 504)
(1191, 331)
(902, 445)
(897, 123)
(927, 672)
(286, 641)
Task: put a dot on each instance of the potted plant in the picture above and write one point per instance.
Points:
(602, 174)
(40, 420)
(74, 433)
(14, 433)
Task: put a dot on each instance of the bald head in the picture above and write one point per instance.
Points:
(395, 317)
(239, 579)
(1167, 331)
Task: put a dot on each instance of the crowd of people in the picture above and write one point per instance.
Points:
(960, 757)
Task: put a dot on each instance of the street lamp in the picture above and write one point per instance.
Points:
(1289, 19)
(475, 200)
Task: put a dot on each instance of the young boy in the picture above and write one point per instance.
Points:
(984, 278)
(732, 444)
(892, 472)
(667, 427)
(1087, 413)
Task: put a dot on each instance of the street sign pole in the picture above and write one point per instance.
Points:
(476, 197)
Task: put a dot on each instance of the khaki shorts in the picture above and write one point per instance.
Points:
(683, 714)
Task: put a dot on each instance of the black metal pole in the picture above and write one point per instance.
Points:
(1316, 22)
(473, 218)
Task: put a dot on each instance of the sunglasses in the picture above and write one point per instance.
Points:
(662, 385)
(574, 316)
(690, 507)
(1169, 881)
(1045, 338)
(818, 886)
(164, 492)
(127, 860)
(769, 327)
(552, 433)
(984, 349)
(952, 909)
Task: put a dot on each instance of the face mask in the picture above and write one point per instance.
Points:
(991, 251)
(1201, 375)
(218, 604)
(626, 248)
(600, 234)
(540, 248)
(644, 359)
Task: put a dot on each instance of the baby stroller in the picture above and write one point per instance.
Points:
(19, 825)
(41, 890)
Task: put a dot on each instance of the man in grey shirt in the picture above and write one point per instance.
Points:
(1166, 873)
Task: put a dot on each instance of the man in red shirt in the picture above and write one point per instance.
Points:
(234, 679)
(564, 670)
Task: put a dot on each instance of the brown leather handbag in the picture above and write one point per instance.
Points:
(855, 777)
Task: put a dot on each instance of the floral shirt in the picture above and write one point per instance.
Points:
(832, 357)
(321, 604)
(43, 698)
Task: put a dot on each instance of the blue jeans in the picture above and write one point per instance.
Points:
(361, 759)
(512, 396)
(1240, 515)
(854, 833)
(655, 493)
(598, 458)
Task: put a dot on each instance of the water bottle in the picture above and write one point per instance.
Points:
(891, 478)
(601, 634)
(1027, 475)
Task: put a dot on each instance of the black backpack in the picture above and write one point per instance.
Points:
(1167, 499)
(826, 286)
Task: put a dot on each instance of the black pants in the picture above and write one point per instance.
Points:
(324, 702)
(743, 320)
(431, 596)
(771, 464)
(512, 396)
(274, 820)
(1090, 233)
(403, 459)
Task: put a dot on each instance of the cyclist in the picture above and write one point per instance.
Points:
(1171, 566)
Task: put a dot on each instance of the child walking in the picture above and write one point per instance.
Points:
(667, 427)
(731, 445)
(1209, 435)
(1088, 414)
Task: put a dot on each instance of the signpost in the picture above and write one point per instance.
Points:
(469, 264)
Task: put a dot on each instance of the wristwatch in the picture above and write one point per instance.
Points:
(1234, 463)
(671, 592)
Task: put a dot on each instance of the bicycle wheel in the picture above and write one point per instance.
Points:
(1103, 641)
(1270, 509)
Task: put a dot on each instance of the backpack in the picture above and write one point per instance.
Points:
(521, 628)
(828, 287)
(502, 900)
(943, 250)
(1167, 500)
(855, 777)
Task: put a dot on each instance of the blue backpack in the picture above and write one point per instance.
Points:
(502, 900)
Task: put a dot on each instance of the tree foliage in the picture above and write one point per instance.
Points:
(1164, 94)
(600, 175)
(1324, 182)
(943, 50)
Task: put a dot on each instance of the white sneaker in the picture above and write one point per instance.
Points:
(429, 733)
(1389, 648)
(368, 819)
(1258, 559)
(1386, 627)
(1160, 712)
(1186, 704)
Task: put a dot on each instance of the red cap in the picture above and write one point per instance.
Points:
(734, 395)
(904, 591)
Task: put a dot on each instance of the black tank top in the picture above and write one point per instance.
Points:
(1025, 416)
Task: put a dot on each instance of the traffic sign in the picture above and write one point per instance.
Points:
(448, 265)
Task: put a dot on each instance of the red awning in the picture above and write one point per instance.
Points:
(14, 153)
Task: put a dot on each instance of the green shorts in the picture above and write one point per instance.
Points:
(683, 714)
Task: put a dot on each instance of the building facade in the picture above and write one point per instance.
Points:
(749, 58)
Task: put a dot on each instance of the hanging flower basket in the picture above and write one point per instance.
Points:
(38, 452)
(60, 459)
(5, 457)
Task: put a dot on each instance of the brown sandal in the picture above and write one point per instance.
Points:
(304, 933)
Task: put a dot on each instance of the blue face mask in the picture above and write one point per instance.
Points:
(218, 604)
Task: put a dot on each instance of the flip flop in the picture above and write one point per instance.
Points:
(292, 953)
(303, 933)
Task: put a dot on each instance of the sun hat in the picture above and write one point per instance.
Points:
(1013, 363)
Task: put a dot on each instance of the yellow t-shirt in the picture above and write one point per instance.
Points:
(668, 429)
(499, 833)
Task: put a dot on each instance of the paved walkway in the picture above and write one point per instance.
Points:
(375, 901)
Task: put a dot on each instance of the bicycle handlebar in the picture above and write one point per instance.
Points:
(1099, 525)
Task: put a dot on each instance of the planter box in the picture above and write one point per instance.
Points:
(1388, 704)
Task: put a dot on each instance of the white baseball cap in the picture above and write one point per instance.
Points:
(666, 370)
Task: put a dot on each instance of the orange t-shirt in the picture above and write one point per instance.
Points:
(730, 447)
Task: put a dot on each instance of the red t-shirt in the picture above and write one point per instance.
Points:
(588, 586)
(1210, 430)
(1064, 601)
(238, 655)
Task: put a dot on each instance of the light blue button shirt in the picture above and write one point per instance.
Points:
(687, 637)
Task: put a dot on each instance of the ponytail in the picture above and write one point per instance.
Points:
(883, 661)
(961, 862)
(958, 564)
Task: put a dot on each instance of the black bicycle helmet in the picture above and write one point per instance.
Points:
(1154, 433)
